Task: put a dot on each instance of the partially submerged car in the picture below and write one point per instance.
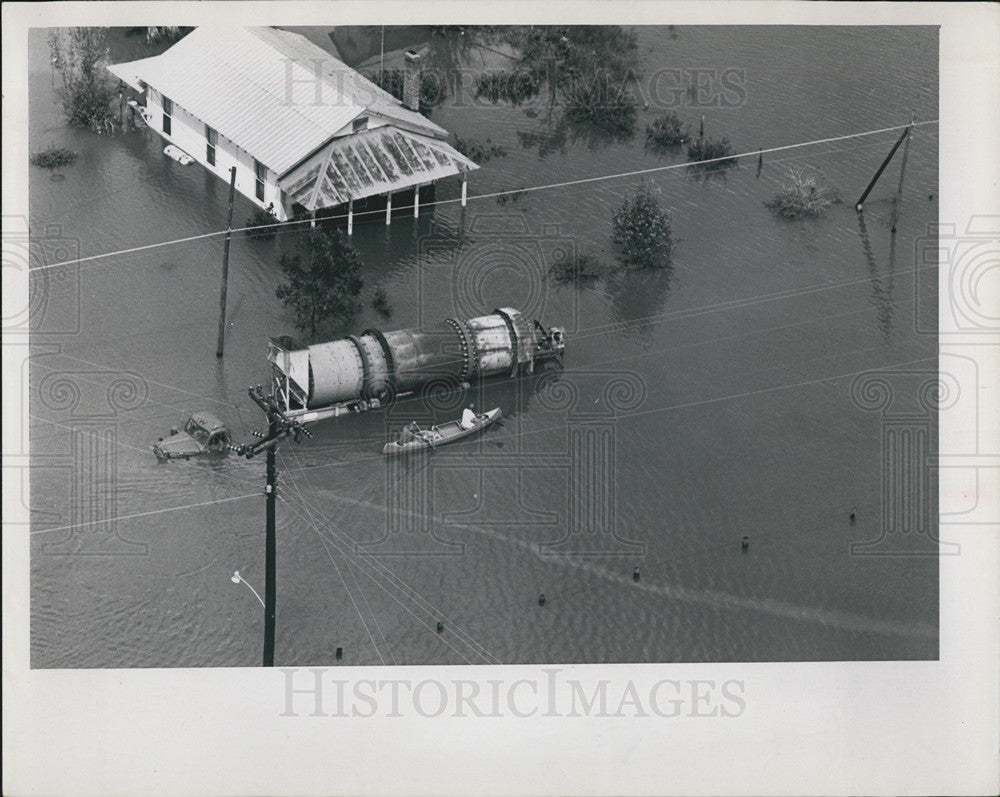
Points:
(202, 434)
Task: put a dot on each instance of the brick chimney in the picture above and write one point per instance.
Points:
(411, 81)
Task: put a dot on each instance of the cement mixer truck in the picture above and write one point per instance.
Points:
(366, 371)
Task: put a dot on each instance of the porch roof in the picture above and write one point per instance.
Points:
(373, 162)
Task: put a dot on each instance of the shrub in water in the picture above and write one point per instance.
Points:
(80, 56)
(323, 279)
(641, 229)
(53, 158)
(804, 196)
(263, 219)
(514, 87)
(709, 149)
(479, 152)
(667, 131)
(582, 271)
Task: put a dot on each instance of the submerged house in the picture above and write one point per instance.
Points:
(306, 133)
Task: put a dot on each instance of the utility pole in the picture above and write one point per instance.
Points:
(278, 428)
(225, 264)
(270, 549)
(860, 203)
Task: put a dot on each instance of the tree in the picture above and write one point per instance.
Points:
(81, 57)
(641, 228)
(323, 281)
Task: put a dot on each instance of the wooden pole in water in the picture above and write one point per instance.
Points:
(388, 209)
(270, 548)
(899, 190)
(350, 217)
(871, 185)
(416, 201)
(225, 265)
(465, 188)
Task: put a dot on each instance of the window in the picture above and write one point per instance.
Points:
(212, 139)
(168, 110)
(361, 123)
(259, 170)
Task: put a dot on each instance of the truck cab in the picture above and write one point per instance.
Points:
(202, 434)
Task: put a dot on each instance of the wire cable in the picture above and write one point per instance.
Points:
(493, 195)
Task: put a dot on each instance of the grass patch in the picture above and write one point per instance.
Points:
(803, 196)
(53, 158)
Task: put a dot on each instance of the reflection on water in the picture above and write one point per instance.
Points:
(881, 290)
(637, 298)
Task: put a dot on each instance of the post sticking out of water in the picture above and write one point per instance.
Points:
(858, 205)
(225, 265)
(388, 209)
(312, 221)
(350, 217)
(902, 171)
(416, 201)
(465, 187)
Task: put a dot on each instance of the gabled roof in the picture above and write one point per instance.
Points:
(258, 88)
(382, 160)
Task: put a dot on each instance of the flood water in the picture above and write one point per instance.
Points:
(720, 394)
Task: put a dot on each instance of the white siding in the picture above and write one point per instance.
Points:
(188, 133)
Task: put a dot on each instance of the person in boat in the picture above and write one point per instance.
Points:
(409, 432)
(468, 418)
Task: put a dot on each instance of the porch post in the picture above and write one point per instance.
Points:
(350, 217)
(465, 185)
(388, 209)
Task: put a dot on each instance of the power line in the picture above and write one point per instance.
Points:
(493, 195)
(145, 514)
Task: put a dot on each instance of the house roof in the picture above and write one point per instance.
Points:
(378, 161)
(258, 88)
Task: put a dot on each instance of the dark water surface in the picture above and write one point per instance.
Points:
(741, 423)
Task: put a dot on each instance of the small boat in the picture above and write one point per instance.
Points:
(177, 154)
(442, 434)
